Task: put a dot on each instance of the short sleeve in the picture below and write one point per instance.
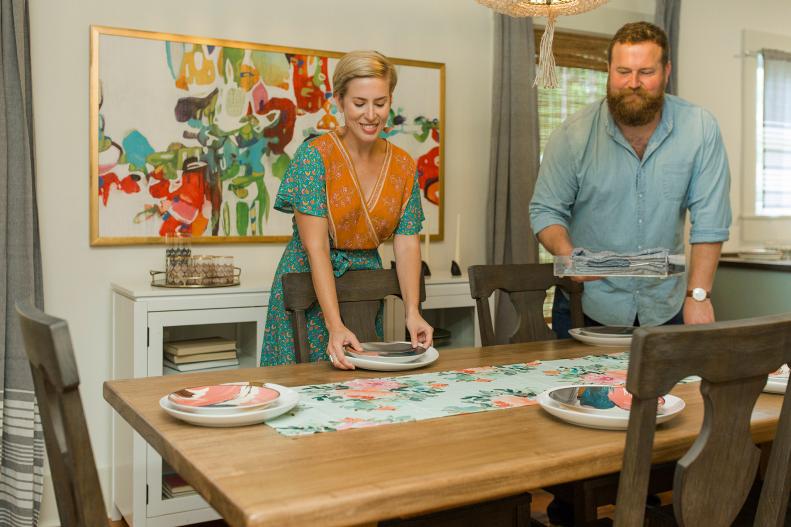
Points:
(303, 186)
(412, 218)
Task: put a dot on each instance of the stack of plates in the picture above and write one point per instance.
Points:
(601, 406)
(610, 336)
(778, 381)
(231, 404)
(761, 254)
(391, 356)
(785, 250)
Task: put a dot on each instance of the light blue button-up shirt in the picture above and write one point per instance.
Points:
(592, 183)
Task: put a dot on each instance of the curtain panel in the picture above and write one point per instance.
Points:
(667, 16)
(22, 445)
(514, 158)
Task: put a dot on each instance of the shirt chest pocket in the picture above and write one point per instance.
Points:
(674, 179)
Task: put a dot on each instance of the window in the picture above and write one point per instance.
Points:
(578, 88)
(773, 134)
(582, 78)
(763, 212)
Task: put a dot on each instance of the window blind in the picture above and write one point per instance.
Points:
(773, 178)
(582, 77)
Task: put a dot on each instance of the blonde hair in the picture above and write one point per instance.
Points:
(357, 64)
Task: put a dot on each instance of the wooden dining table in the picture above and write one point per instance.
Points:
(254, 476)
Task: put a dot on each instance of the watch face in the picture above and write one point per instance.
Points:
(699, 294)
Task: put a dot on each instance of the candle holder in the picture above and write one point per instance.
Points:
(425, 268)
(455, 270)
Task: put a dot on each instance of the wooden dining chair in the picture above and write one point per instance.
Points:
(713, 479)
(526, 286)
(575, 503)
(360, 294)
(56, 384)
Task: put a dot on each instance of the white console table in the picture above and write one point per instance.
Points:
(143, 318)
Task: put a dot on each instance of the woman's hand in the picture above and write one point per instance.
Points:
(420, 332)
(339, 338)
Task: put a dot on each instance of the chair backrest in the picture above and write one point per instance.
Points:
(56, 383)
(714, 477)
(526, 286)
(359, 293)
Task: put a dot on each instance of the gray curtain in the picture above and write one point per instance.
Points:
(514, 154)
(667, 15)
(22, 445)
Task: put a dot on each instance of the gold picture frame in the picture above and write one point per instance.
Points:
(191, 133)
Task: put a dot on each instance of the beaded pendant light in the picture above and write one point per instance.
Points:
(545, 74)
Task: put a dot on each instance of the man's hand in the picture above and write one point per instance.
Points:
(698, 312)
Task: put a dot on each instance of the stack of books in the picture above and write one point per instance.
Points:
(200, 354)
(174, 486)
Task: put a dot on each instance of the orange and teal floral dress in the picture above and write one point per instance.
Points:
(321, 181)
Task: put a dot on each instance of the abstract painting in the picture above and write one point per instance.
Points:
(192, 135)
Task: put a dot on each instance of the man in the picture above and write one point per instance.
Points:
(620, 176)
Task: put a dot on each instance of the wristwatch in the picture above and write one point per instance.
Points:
(698, 293)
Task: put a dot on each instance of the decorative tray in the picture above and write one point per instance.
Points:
(160, 279)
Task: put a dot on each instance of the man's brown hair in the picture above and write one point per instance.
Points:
(636, 32)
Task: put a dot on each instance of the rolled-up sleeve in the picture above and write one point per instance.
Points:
(557, 185)
(709, 191)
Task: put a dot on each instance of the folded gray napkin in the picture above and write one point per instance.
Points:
(649, 262)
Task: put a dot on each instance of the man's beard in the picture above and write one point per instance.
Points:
(634, 107)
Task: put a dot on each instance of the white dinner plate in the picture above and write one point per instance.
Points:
(778, 383)
(611, 419)
(427, 358)
(761, 254)
(593, 340)
(288, 399)
(373, 353)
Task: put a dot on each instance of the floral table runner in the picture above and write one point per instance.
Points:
(371, 402)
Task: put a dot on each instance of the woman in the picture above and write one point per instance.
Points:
(349, 190)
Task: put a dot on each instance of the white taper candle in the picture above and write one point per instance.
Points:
(425, 255)
(457, 252)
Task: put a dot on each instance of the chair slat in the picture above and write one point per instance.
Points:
(526, 285)
(775, 493)
(359, 293)
(725, 453)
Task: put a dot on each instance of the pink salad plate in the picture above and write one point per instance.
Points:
(224, 398)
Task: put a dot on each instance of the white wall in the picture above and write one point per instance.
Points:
(456, 32)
